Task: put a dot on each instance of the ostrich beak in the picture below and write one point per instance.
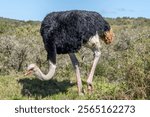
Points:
(28, 72)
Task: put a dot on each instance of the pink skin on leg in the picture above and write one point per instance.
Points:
(77, 71)
(90, 77)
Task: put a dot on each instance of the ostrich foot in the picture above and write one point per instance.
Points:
(81, 92)
(90, 88)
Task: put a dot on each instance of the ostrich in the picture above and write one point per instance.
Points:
(65, 33)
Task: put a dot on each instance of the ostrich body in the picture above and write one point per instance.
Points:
(65, 33)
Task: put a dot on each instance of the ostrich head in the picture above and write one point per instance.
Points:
(35, 70)
(32, 68)
(108, 36)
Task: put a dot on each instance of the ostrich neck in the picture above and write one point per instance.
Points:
(39, 74)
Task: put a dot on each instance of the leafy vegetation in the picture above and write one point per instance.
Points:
(123, 71)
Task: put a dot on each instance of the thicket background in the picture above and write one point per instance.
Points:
(123, 71)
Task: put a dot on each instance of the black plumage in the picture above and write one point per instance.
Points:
(65, 32)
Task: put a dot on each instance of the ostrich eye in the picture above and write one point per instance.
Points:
(32, 69)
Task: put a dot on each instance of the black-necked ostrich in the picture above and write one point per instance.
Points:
(65, 33)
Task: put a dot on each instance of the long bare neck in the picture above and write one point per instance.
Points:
(39, 74)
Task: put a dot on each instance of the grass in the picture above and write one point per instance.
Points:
(18, 87)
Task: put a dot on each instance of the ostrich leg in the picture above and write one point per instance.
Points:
(97, 54)
(76, 67)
